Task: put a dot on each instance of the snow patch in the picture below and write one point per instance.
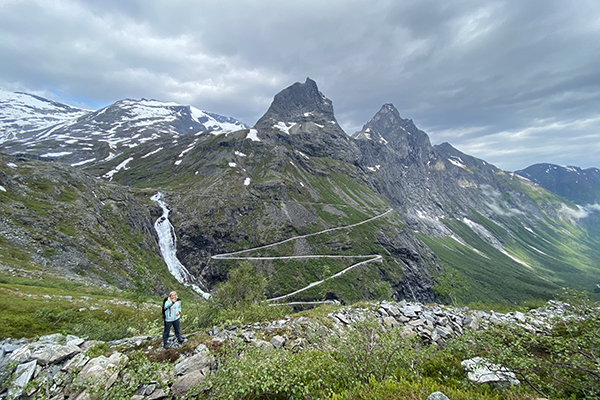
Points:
(457, 161)
(122, 166)
(283, 127)
(59, 154)
(375, 168)
(247, 181)
(152, 152)
(239, 154)
(77, 164)
(11, 165)
(2, 188)
(232, 164)
(302, 154)
(252, 135)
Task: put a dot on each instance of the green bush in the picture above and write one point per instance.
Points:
(97, 329)
(367, 350)
(562, 364)
(239, 300)
(276, 374)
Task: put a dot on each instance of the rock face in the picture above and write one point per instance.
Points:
(301, 117)
(65, 219)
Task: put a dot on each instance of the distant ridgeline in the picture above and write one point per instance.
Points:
(461, 229)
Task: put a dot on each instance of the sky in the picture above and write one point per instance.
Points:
(511, 82)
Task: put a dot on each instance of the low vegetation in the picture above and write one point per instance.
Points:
(365, 362)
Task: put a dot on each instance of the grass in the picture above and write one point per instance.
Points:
(37, 307)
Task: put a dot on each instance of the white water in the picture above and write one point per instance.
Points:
(167, 241)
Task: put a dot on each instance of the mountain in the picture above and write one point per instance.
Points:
(581, 186)
(91, 137)
(20, 112)
(321, 214)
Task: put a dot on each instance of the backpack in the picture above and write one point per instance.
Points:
(163, 307)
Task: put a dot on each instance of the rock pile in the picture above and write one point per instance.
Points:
(58, 367)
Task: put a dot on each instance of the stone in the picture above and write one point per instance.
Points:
(157, 395)
(147, 390)
(22, 376)
(78, 361)
(53, 353)
(55, 338)
(437, 396)
(101, 369)
(390, 321)
(21, 355)
(263, 344)
(196, 362)
(183, 384)
(277, 341)
(479, 370)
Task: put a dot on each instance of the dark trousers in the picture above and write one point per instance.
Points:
(167, 330)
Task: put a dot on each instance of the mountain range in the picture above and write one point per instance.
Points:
(321, 214)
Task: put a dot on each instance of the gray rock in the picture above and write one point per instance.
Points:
(78, 361)
(22, 376)
(390, 321)
(53, 353)
(196, 362)
(481, 371)
(184, 383)
(437, 396)
(101, 370)
(158, 394)
(55, 338)
(262, 344)
(277, 341)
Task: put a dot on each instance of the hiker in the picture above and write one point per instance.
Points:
(172, 314)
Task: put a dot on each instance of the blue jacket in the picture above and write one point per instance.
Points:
(171, 310)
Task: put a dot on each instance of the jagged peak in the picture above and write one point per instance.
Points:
(299, 103)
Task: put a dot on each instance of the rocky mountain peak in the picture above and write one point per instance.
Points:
(388, 121)
(299, 103)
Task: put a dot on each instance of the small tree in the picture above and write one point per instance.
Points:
(449, 285)
(142, 288)
(244, 287)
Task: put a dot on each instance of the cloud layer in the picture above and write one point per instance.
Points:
(514, 83)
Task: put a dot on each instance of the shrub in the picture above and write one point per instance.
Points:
(277, 374)
(563, 363)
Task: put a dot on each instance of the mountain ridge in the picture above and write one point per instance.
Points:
(295, 172)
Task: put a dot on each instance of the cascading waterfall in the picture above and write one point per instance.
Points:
(167, 241)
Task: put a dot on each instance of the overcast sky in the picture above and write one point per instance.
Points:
(512, 82)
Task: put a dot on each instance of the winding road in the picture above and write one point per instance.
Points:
(238, 255)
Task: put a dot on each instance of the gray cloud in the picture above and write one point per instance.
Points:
(511, 82)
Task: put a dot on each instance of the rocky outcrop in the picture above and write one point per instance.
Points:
(58, 366)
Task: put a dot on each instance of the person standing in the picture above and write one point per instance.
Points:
(172, 312)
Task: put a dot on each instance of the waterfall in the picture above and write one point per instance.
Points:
(167, 241)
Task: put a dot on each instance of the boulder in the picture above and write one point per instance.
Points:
(437, 396)
(100, 370)
(50, 353)
(196, 362)
(184, 383)
(22, 376)
(479, 370)
(277, 341)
